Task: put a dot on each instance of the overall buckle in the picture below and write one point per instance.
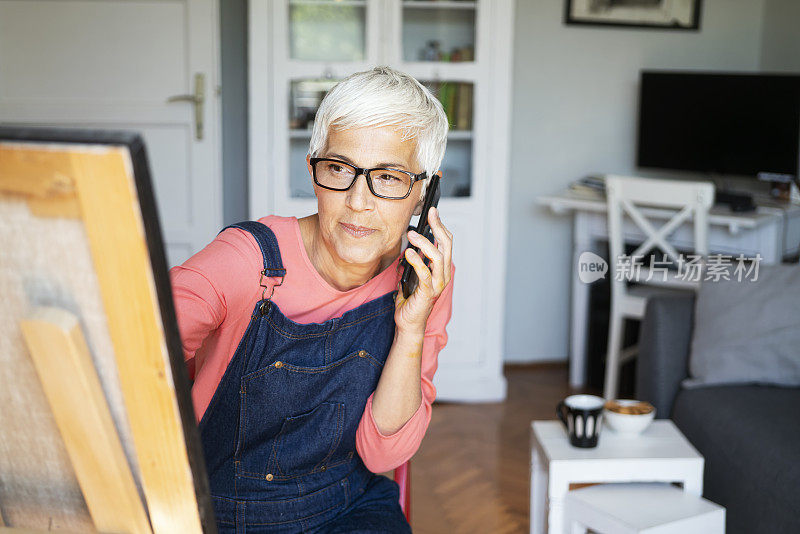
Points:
(267, 300)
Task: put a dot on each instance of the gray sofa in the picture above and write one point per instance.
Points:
(748, 434)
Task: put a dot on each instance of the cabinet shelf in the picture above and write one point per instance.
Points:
(349, 3)
(416, 4)
(300, 134)
(459, 134)
(458, 71)
(305, 133)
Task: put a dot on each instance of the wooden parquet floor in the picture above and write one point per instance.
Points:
(472, 471)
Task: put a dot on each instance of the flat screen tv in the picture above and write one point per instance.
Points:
(731, 124)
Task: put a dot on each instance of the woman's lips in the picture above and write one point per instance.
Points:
(357, 231)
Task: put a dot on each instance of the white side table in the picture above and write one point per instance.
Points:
(641, 508)
(660, 454)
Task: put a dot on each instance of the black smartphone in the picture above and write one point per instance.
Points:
(410, 280)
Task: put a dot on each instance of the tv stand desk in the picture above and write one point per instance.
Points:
(773, 231)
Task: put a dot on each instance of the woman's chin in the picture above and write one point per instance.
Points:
(359, 259)
(361, 252)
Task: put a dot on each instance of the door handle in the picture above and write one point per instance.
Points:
(198, 99)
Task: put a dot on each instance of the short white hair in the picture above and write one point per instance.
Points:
(384, 96)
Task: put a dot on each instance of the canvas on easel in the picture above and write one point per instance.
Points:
(97, 430)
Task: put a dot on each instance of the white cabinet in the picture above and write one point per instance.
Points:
(461, 49)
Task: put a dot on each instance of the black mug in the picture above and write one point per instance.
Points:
(581, 415)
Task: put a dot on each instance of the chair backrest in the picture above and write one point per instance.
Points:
(648, 202)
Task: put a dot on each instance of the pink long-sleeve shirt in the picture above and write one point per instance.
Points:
(216, 290)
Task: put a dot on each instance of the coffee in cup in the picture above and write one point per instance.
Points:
(628, 417)
(629, 407)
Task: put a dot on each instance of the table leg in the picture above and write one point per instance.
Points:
(538, 493)
(694, 484)
(579, 313)
(555, 516)
(556, 494)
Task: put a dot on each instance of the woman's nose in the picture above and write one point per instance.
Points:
(359, 196)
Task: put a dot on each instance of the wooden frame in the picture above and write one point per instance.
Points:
(64, 365)
(102, 179)
(653, 14)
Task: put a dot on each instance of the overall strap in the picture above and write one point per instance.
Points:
(271, 254)
(267, 242)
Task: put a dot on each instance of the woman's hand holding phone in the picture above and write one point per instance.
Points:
(411, 314)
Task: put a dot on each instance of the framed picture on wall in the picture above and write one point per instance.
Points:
(663, 14)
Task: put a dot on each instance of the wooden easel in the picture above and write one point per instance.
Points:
(105, 184)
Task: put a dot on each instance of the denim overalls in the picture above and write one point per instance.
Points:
(279, 433)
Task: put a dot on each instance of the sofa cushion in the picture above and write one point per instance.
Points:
(749, 436)
(748, 331)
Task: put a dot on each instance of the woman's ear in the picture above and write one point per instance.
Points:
(418, 207)
(311, 173)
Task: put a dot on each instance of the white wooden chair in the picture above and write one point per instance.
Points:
(645, 201)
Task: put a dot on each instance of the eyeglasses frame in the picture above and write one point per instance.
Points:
(366, 172)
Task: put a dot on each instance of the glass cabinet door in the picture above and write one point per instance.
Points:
(327, 30)
(457, 100)
(438, 30)
(348, 33)
(304, 100)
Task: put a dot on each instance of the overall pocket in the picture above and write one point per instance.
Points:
(297, 420)
(307, 441)
(304, 444)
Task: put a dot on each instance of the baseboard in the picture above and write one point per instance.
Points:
(466, 388)
(532, 358)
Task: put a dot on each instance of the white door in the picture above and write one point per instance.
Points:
(108, 64)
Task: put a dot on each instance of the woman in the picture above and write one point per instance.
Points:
(311, 371)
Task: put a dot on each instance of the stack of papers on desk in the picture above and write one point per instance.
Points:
(590, 184)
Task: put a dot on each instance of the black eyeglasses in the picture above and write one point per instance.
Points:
(383, 182)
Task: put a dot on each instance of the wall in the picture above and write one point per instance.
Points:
(780, 44)
(574, 113)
